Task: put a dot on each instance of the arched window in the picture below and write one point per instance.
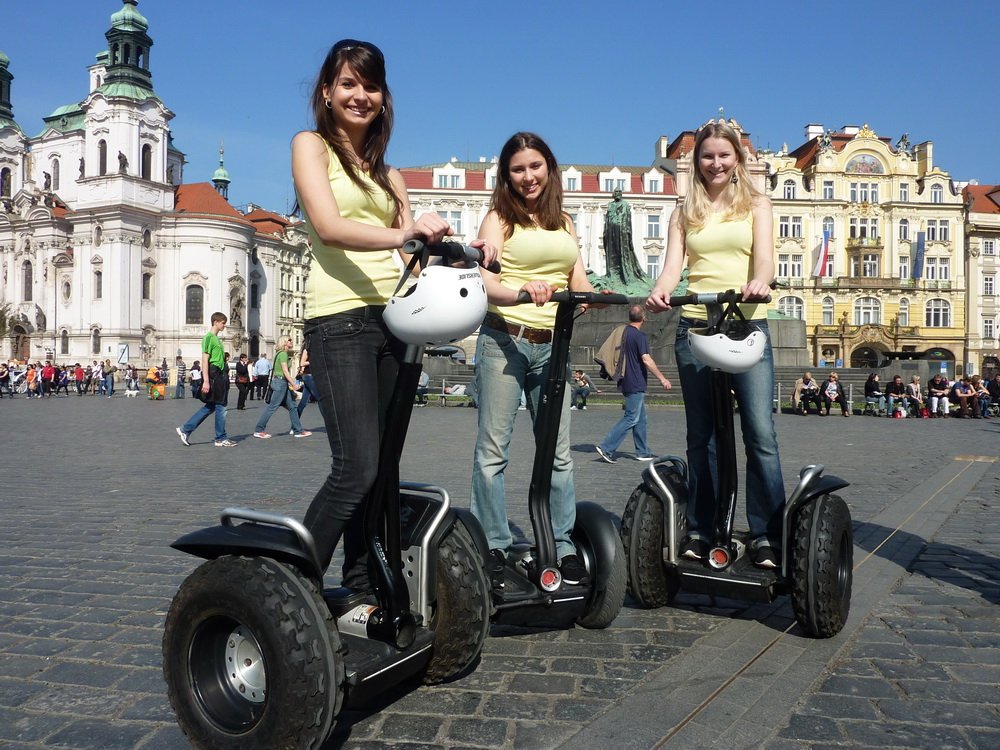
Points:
(147, 286)
(128, 55)
(791, 306)
(55, 174)
(140, 54)
(102, 157)
(937, 194)
(146, 170)
(28, 279)
(98, 285)
(64, 342)
(95, 342)
(937, 313)
(904, 229)
(828, 311)
(788, 190)
(254, 296)
(828, 225)
(5, 182)
(904, 312)
(867, 311)
(194, 305)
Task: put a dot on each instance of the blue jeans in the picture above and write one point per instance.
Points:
(308, 392)
(354, 362)
(109, 385)
(765, 489)
(179, 388)
(281, 396)
(202, 414)
(504, 368)
(633, 419)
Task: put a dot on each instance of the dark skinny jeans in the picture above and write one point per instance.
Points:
(354, 362)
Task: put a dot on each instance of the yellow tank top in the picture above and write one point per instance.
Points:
(341, 279)
(720, 258)
(533, 253)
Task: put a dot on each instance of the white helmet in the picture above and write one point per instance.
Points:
(735, 351)
(446, 304)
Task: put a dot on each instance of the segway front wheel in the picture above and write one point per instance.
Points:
(600, 548)
(461, 616)
(251, 657)
(822, 565)
(650, 582)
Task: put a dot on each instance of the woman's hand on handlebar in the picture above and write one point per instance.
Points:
(428, 228)
(658, 300)
(755, 290)
(490, 253)
(539, 291)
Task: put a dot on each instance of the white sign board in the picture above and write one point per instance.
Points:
(123, 354)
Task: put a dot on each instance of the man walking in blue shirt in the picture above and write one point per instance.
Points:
(638, 362)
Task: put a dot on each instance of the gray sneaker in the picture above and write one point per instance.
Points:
(184, 436)
(609, 457)
(227, 443)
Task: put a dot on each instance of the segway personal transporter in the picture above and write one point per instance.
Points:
(530, 589)
(817, 539)
(256, 654)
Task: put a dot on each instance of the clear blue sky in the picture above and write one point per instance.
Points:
(600, 81)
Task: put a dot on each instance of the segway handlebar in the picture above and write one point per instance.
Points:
(714, 298)
(452, 252)
(587, 298)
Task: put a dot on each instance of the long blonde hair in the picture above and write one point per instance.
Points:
(740, 195)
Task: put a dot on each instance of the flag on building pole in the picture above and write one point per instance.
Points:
(918, 256)
(822, 255)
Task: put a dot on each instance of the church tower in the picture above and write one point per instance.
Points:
(221, 177)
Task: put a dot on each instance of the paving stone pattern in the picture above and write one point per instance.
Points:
(95, 492)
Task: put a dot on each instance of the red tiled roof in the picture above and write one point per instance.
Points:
(203, 198)
(985, 198)
(418, 179)
(268, 222)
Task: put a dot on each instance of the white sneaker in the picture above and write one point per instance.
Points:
(227, 443)
(572, 408)
(184, 436)
(262, 435)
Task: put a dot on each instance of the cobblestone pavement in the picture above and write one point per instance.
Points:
(94, 492)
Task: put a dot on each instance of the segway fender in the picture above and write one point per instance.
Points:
(471, 523)
(272, 538)
(812, 484)
(602, 536)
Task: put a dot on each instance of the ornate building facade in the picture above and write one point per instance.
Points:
(106, 252)
(892, 284)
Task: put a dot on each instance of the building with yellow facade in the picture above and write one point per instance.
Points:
(892, 284)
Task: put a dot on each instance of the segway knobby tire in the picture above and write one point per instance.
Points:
(461, 618)
(251, 657)
(822, 565)
(650, 583)
(600, 547)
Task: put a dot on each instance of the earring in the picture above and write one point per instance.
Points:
(735, 180)
(383, 110)
(328, 104)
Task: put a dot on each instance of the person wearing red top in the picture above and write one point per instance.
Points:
(79, 376)
(48, 379)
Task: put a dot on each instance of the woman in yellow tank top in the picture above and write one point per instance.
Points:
(357, 214)
(722, 232)
(539, 255)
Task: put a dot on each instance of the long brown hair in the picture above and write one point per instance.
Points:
(509, 204)
(368, 62)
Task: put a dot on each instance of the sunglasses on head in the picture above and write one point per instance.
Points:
(348, 44)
